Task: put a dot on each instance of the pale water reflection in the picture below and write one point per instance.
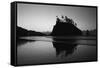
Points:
(45, 50)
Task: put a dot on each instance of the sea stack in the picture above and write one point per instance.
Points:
(65, 27)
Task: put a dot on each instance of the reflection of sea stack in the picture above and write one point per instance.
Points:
(65, 27)
(65, 48)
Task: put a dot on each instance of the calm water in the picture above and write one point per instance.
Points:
(36, 50)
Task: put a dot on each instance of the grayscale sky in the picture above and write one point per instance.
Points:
(43, 17)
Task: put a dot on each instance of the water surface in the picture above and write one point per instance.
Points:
(37, 49)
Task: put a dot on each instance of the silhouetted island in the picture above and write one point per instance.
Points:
(65, 27)
(24, 32)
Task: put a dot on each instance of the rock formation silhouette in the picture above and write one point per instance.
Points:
(65, 27)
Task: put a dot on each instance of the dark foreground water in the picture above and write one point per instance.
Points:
(37, 49)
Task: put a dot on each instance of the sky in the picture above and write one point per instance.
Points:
(43, 17)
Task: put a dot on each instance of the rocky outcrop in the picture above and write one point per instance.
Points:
(65, 28)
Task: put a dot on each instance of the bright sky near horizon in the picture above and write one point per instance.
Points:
(43, 17)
